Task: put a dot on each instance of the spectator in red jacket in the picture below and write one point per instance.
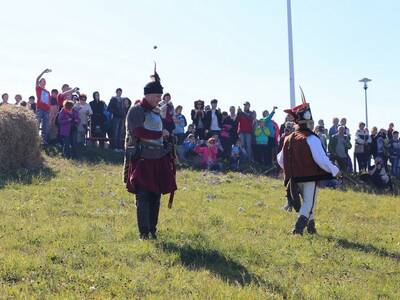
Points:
(43, 105)
(244, 122)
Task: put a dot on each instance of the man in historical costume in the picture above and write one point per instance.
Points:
(149, 169)
(305, 163)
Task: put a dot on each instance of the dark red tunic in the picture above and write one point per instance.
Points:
(156, 175)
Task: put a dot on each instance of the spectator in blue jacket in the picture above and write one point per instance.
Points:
(180, 124)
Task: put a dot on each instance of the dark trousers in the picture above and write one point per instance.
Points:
(261, 152)
(117, 141)
(227, 146)
(98, 132)
(69, 146)
(147, 209)
(362, 159)
(343, 163)
(200, 133)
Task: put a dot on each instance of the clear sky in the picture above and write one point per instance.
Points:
(230, 50)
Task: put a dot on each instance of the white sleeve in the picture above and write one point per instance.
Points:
(320, 156)
(279, 158)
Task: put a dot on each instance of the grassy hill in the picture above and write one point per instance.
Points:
(71, 233)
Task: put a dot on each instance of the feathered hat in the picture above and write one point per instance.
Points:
(154, 86)
(301, 113)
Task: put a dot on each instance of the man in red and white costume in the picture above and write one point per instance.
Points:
(305, 163)
(149, 169)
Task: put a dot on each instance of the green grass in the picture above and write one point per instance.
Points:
(71, 233)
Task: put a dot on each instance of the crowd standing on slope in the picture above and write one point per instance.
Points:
(211, 138)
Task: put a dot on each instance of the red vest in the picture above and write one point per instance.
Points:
(298, 162)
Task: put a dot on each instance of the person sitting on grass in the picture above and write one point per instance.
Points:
(186, 152)
(68, 120)
(191, 130)
(378, 176)
(219, 145)
(208, 153)
(238, 155)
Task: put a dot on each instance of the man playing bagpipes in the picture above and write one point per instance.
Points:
(149, 168)
(304, 162)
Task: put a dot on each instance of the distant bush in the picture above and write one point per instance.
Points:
(19, 139)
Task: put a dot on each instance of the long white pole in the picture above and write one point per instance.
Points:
(291, 65)
(366, 105)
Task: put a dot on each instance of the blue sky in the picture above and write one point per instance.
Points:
(229, 50)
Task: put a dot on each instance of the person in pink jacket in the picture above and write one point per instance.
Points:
(208, 154)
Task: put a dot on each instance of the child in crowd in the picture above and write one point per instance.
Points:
(187, 149)
(191, 130)
(209, 154)
(238, 155)
(218, 143)
(32, 104)
(68, 120)
(395, 153)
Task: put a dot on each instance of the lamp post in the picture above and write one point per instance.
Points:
(366, 80)
(290, 44)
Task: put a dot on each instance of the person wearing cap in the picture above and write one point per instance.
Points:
(199, 118)
(213, 120)
(149, 168)
(244, 121)
(305, 163)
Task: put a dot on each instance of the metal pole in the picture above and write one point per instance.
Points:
(366, 105)
(291, 65)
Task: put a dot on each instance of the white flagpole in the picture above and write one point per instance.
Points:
(291, 66)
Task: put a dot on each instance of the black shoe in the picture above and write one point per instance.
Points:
(300, 225)
(153, 236)
(311, 227)
(143, 236)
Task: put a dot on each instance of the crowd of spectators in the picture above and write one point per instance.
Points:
(212, 138)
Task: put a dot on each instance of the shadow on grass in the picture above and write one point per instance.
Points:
(90, 154)
(366, 248)
(222, 266)
(27, 176)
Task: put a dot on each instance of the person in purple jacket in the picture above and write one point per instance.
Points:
(68, 120)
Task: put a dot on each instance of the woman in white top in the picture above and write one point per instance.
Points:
(362, 146)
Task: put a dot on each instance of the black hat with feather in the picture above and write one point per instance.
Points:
(154, 86)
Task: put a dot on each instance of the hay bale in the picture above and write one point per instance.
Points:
(19, 139)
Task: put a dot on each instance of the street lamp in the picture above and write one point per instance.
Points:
(366, 80)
